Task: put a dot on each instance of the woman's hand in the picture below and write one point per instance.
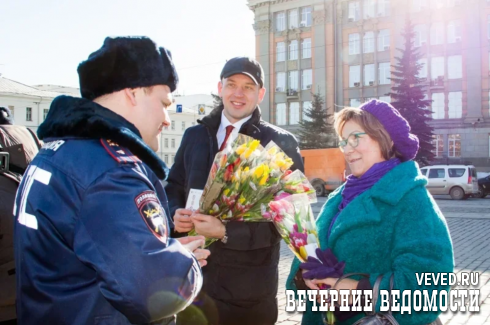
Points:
(309, 283)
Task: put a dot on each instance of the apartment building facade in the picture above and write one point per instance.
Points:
(345, 50)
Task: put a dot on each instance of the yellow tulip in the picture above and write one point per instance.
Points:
(254, 145)
(302, 252)
(263, 179)
(259, 171)
(246, 154)
(246, 169)
(241, 199)
(241, 149)
(226, 192)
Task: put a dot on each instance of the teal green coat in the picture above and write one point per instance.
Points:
(394, 227)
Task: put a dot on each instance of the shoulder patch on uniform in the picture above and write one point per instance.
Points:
(120, 154)
(153, 214)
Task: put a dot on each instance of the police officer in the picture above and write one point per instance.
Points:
(92, 239)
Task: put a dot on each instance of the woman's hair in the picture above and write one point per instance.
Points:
(371, 126)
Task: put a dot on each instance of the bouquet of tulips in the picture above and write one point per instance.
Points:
(245, 177)
(294, 220)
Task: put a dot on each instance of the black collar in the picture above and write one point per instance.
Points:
(82, 118)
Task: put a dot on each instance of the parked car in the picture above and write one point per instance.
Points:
(459, 181)
(483, 187)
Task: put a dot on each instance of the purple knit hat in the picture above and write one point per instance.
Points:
(405, 143)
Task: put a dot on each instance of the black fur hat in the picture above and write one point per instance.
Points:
(126, 62)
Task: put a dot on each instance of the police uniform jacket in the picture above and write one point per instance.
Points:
(92, 241)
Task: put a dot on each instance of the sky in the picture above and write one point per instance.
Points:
(43, 41)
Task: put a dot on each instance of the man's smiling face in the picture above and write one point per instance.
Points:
(240, 96)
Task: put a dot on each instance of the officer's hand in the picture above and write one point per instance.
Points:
(192, 243)
(208, 226)
(182, 220)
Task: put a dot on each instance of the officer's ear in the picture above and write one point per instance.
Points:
(130, 95)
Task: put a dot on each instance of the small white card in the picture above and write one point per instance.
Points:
(193, 199)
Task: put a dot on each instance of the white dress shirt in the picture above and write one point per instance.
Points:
(220, 136)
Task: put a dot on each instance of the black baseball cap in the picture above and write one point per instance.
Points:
(244, 65)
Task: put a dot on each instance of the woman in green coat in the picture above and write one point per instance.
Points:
(382, 221)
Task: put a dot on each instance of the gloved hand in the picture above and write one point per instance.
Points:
(326, 266)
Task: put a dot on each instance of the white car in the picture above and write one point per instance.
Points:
(459, 181)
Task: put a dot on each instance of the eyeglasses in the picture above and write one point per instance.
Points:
(352, 140)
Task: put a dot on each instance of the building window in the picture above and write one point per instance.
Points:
(386, 99)
(355, 102)
(28, 113)
(45, 113)
(305, 17)
(369, 75)
(455, 104)
(281, 81)
(369, 8)
(368, 42)
(183, 125)
(172, 159)
(306, 48)
(454, 145)
(173, 125)
(454, 67)
(384, 73)
(280, 21)
(293, 19)
(306, 108)
(306, 79)
(281, 114)
(280, 52)
(172, 143)
(293, 113)
(436, 33)
(354, 11)
(293, 80)
(383, 8)
(383, 40)
(165, 143)
(420, 35)
(293, 50)
(437, 67)
(354, 44)
(423, 68)
(166, 159)
(354, 76)
(438, 105)
(438, 143)
(454, 31)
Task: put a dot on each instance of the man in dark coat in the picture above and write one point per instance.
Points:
(241, 279)
(92, 242)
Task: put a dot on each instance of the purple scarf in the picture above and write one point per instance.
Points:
(355, 186)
